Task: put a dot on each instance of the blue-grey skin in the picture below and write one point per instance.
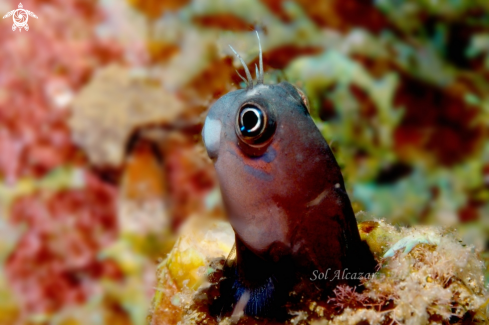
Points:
(285, 197)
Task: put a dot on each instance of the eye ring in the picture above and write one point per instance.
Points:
(254, 126)
(251, 121)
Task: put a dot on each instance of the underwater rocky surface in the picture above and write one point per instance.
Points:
(426, 275)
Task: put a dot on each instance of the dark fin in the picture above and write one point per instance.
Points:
(262, 297)
(250, 274)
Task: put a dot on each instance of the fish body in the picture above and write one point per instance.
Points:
(285, 197)
(284, 193)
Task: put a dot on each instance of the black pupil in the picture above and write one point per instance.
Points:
(249, 120)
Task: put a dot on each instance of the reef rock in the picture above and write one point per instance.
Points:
(426, 275)
(115, 105)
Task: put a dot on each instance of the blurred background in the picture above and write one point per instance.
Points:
(102, 104)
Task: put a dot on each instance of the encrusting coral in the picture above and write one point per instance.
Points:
(432, 278)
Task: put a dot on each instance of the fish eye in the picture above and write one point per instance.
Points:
(255, 125)
(251, 121)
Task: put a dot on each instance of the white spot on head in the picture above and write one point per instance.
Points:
(212, 136)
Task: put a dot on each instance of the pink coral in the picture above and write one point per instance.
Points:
(40, 69)
(55, 262)
(346, 296)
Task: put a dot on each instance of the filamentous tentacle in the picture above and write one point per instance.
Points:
(247, 71)
(258, 72)
(260, 78)
(246, 82)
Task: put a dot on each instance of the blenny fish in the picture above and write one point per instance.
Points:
(285, 197)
